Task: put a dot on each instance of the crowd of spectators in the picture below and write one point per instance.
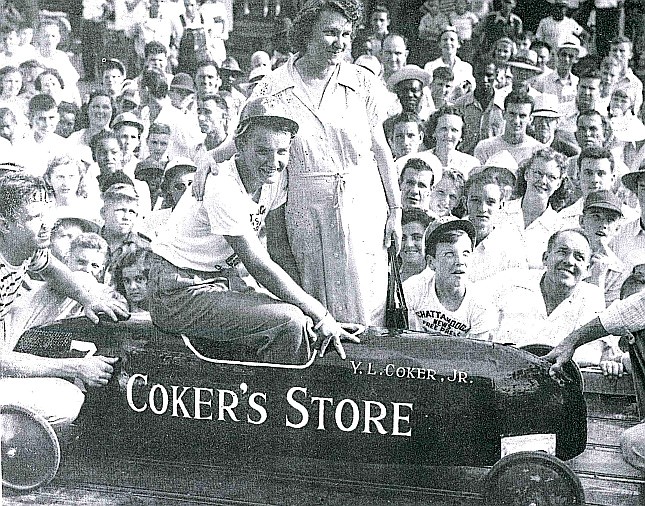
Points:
(508, 167)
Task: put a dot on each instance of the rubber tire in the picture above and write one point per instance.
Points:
(529, 481)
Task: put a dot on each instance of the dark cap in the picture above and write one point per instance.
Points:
(120, 191)
(603, 199)
(230, 64)
(112, 63)
(183, 81)
(435, 233)
(630, 180)
(266, 109)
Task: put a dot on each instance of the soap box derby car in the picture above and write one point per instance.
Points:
(400, 397)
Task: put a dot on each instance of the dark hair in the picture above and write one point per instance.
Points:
(417, 164)
(131, 258)
(306, 19)
(403, 117)
(539, 44)
(155, 82)
(415, 215)
(444, 73)
(50, 72)
(515, 97)
(633, 284)
(9, 69)
(159, 128)
(621, 39)
(42, 102)
(606, 125)
(555, 235)
(68, 107)
(4, 111)
(154, 47)
(217, 98)
(381, 8)
(97, 139)
(18, 189)
(596, 153)
(31, 64)
(482, 179)
(591, 72)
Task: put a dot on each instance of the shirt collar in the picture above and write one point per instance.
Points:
(344, 76)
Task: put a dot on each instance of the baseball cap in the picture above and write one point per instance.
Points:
(118, 191)
(443, 227)
(602, 199)
(268, 110)
(183, 81)
(128, 118)
(547, 105)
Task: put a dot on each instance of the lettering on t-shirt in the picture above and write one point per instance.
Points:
(257, 218)
(440, 322)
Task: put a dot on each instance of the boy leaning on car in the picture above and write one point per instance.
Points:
(35, 382)
(194, 279)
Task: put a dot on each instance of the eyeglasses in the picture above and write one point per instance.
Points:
(539, 175)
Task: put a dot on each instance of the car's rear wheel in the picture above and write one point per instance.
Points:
(532, 479)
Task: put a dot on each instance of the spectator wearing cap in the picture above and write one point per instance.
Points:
(504, 169)
(231, 73)
(531, 218)
(182, 93)
(484, 194)
(406, 135)
(177, 178)
(544, 126)
(441, 298)
(206, 240)
(129, 130)
(410, 85)
(563, 83)
(558, 26)
(108, 156)
(542, 306)
(518, 108)
(600, 220)
(476, 107)
(447, 134)
(622, 49)
(629, 243)
(463, 79)
(596, 172)
(120, 213)
(498, 24)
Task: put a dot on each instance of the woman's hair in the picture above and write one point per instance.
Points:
(141, 256)
(83, 119)
(306, 19)
(57, 161)
(51, 72)
(9, 69)
(546, 154)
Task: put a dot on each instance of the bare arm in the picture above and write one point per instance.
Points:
(60, 277)
(389, 179)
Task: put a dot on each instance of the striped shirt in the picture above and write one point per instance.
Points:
(11, 277)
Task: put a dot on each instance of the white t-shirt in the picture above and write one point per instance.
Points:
(194, 236)
(426, 313)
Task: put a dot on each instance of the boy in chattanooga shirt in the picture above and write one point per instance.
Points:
(440, 299)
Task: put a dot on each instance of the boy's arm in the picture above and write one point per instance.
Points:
(59, 276)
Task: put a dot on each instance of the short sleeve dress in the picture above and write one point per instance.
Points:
(336, 207)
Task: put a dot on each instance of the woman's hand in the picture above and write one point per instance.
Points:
(393, 232)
